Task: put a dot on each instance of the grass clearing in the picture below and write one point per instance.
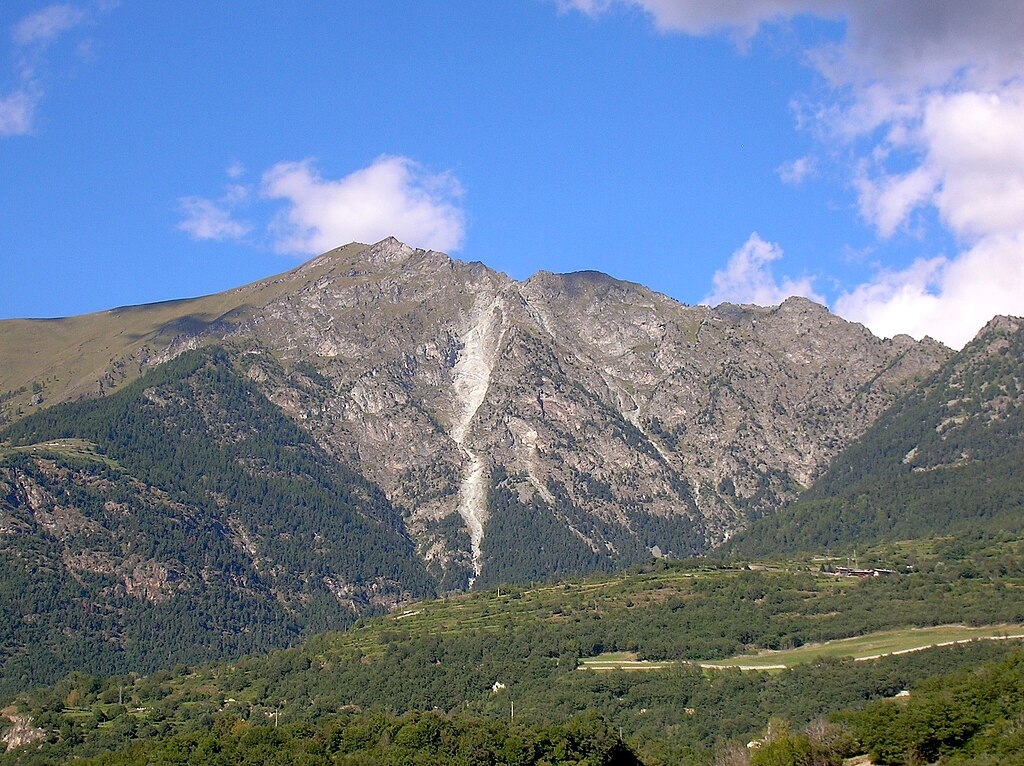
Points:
(871, 645)
(859, 648)
(621, 661)
(72, 449)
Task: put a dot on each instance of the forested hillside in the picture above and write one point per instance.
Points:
(944, 460)
(975, 716)
(181, 519)
(528, 649)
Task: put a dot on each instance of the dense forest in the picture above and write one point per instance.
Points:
(370, 739)
(196, 522)
(973, 716)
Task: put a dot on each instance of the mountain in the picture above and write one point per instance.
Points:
(225, 475)
(566, 423)
(944, 460)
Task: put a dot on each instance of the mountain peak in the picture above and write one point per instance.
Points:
(800, 303)
(576, 285)
(1001, 324)
(389, 251)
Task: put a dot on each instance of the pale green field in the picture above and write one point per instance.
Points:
(874, 645)
(865, 647)
(620, 661)
(66, 448)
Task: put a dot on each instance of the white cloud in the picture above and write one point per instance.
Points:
(394, 196)
(747, 278)
(969, 165)
(948, 299)
(742, 18)
(897, 302)
(912, 45)
(908, 42)
(971, 170)
(32, 36)
(924, 106)
(797, 171)
(976, 142)
(888, 201)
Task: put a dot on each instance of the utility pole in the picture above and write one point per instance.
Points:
(513, 716)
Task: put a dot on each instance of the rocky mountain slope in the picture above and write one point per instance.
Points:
(944, 460)
(581, 420)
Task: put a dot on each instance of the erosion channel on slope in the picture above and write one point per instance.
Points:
(471, 377)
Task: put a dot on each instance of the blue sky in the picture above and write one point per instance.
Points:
(866, 154)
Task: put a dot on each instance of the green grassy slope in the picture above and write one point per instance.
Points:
(47, 361)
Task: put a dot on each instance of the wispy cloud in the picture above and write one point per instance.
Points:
(44, 26)
(924, 106)
(797, 171)
(739, 18)
(32, 37)
(393, 196)
(206, 219)
(748, 278)
(16, 111)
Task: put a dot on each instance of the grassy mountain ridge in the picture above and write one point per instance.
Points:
(48, 361)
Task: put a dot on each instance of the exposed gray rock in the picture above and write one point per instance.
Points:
(589, 393)
(636, 421)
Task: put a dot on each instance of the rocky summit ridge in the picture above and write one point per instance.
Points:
(572, 418)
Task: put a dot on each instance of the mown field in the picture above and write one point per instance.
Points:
(859, 648)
